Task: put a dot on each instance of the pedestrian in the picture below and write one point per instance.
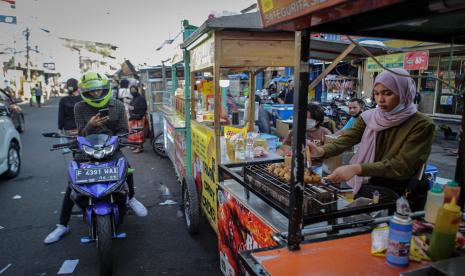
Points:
(137, 112)
(66, 119)
(38, 94)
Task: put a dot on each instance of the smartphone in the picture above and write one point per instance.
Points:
(104, 112)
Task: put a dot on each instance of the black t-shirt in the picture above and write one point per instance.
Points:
(66, 119)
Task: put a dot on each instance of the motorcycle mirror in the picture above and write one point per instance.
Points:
(51, 134)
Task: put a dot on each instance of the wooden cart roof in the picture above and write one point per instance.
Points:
(423, 20)
(320, 49)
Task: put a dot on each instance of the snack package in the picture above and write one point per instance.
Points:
(418, 249)
(379, 240)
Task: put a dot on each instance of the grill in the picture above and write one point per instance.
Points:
(317, 199)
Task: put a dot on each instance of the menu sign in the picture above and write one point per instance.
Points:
(277, 11)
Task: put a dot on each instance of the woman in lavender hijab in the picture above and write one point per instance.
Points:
(395, 141)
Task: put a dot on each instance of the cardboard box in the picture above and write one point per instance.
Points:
(282, 129)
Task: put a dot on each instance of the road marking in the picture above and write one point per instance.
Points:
(5, 268)
(68, 266)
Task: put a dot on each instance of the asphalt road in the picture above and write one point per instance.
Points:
(156, 245)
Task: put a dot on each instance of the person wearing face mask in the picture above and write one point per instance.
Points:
(66, 121)
(137, 110)
(395, 142)
(315, 131)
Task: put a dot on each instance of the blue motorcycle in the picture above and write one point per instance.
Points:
(98, 184)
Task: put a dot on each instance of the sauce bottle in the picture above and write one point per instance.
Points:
(434, 201)
(445, 231)
(451, 189)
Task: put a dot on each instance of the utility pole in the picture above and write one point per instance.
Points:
(27, 34)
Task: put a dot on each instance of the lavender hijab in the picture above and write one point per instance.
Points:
(377, 120)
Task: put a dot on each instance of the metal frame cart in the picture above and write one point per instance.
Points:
(418, 19)
(242, 219)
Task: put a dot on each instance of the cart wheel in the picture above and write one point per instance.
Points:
(158, 145)
(191, 205)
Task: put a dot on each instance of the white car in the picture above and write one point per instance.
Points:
(10, 145)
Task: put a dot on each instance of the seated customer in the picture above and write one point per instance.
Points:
(395, 142)
(315, 132)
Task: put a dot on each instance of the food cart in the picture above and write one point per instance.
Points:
(243, 216)
(421, 20)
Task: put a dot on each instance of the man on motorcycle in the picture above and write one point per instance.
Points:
(95, 92)
(356, 107)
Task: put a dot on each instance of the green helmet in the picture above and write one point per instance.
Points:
(92, 81)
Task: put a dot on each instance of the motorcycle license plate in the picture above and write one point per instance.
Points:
(97, 175)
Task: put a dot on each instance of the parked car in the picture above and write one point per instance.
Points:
(10, 145)
(17, 115)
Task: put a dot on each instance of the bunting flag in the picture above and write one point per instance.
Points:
(8, 19)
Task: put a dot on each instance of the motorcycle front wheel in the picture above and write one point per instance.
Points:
(104, 244)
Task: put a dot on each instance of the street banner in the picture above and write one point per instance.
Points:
(277, 11)
(239, 229)
(205, 170)
(417, 60)
(388, 61)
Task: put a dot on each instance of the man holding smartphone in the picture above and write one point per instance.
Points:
(98, 113)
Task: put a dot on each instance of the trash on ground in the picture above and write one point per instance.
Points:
(5, 268)
(17, 197)
(68, 266)
(168, 202)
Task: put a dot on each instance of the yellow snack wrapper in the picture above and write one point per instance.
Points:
(418, 249)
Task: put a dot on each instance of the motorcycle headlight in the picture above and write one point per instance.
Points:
(109, 149)
(88, 150)
(99, 153)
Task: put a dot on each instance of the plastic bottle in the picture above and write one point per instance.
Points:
(434, 201)
(452, 189)
(239, 149)
(444, 233)
(249, 150)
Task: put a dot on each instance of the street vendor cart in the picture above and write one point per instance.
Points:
(349, 253)
(244, 216)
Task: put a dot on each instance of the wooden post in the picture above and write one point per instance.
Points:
(332, 66)
(251, 101)
(301, 78)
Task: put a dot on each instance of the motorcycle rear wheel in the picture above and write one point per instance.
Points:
(104, 244)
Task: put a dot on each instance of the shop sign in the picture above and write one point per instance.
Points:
(417, 60)
(239, 229)
(202, 56)
(277, 11)
(49, 65)
(388, 61)
(205, 170)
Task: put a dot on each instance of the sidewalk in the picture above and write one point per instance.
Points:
(438, 157)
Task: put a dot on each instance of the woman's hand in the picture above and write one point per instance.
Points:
(345, 173)
(315, 150)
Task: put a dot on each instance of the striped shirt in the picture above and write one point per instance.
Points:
(117, 123)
